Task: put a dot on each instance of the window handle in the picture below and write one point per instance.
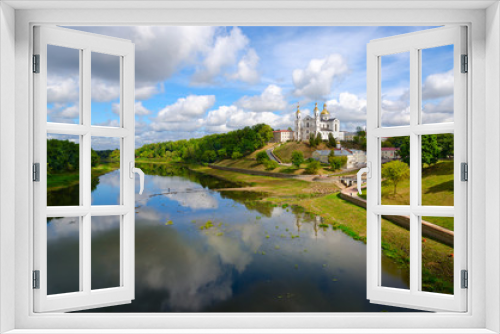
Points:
(368, 171)
(141, 176)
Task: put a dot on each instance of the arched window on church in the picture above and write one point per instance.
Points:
(328, 126)
(307, 126)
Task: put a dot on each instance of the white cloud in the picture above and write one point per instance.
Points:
(104, 91)
(184, 114)
(350, 109)
(223, 54)
(141, 110)
(396, 109)
(271, 99)
(439, 112)
(247, 68)
(227, 118)
(63, 113)
(438, 85)
(316, 80)
(62, 89)
(146, 92)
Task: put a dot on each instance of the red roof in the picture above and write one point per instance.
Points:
(390, 148)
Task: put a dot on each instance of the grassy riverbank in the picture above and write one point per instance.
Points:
(437, 189)
(63, 180)
(323, 199)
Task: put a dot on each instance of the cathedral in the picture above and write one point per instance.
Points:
(321, 123)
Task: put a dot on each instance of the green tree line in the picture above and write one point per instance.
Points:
(64, 156)
(208, 149)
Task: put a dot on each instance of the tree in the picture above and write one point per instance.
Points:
(222, 153)
(446, 145)
(209, 156)
(404, 150)
(313, 167)
(297, 158)
(336, 162)
(262, 157)
(395, 171)
(319, 139)
(95, 160)
(331, 140)
(312, 140)
(430, 149)
(236, 155)
(115, 155)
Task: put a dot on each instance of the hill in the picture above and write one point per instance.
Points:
(284, 151)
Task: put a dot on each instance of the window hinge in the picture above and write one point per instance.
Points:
(36, 172)
(464, 171)
(465, 64)
(465, 279)
(36, 279)
(36, 63)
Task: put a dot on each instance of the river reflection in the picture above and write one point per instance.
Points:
(201, 250)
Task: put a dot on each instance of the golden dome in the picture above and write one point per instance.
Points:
(325, 112)
(316, 107)
(298, 109)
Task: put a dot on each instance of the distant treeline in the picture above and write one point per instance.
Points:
(109, 155)
(234, 144)
(64, 156)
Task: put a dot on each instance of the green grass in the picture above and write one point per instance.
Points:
(272, 185)
(437, 189)
(285, 150)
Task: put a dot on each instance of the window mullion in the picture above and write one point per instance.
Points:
(414, 171)
(86, 175)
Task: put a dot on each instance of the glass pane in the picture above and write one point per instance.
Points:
(437, 254)
(63, 255)
(105, 171)
(105, 90)
(395, 170)
(105, 256)
(395, 89)
(63, 170)
(437, 84)
(395, 232)
(437, 169)
(63, 85)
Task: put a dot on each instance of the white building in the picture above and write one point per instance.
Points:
(282, 136)
(320, 123)
(355, 158)
(389, 153)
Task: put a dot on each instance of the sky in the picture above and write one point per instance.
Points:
(193, 81)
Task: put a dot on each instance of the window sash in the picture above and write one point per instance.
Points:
(412, 43)
(86, 297)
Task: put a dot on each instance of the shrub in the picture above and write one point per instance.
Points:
(270, 164)
(297, 158)
(262, 157)
(313, 167)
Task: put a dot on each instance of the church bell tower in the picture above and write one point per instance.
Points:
(297, 124)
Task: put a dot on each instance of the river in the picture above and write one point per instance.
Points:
(203, 250)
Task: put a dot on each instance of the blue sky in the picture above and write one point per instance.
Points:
(194, 81)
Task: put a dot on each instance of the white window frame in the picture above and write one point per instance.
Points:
(484, 103)
(86, 44)
(413, 43)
